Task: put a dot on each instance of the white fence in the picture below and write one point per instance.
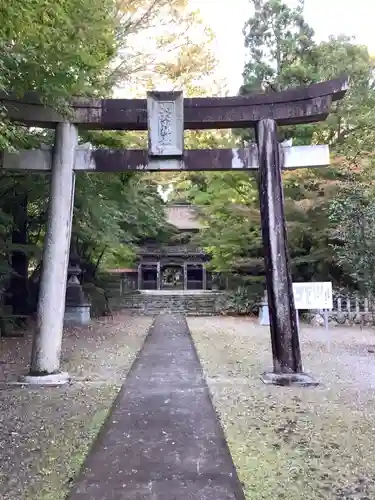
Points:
(349, 308)
(345, 308)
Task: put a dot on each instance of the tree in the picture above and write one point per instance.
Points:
(280, 48)
(279, 45)
(56, 49)
(160, 43)
(80, 48)
(282, 52)
(349, 129)
(352, 214)
(231, 234)
(46, 48)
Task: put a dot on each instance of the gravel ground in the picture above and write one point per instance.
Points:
(293, 443)
(46, 433)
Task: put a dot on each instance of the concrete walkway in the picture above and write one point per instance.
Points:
(163, 440)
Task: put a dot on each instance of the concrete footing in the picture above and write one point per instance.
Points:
(289, 379)
(53, 379)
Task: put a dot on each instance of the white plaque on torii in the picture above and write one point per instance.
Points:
(165, 117)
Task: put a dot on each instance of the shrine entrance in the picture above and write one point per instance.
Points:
(196, 277)
(172, 277)
(166, 115)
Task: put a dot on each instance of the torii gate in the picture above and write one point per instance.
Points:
(165, 115)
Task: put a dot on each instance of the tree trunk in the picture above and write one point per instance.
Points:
(20, 261)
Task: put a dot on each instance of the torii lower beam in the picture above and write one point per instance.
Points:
(105, 160)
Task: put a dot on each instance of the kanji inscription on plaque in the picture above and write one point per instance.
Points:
(165, 115)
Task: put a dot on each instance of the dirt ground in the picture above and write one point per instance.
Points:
(293, 443)
(45, 433)
(287, 443)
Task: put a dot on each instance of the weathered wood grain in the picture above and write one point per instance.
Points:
(282, 312)
(292, 106)
(106, 160)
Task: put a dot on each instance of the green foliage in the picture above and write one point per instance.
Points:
(243, 295)
(350, 127)
(55, 48)
(282, 52)
(173, 52)
(279, 46)
(82, 48)
(97, 298)
(230, 217)
(113, 212)
(352, 213)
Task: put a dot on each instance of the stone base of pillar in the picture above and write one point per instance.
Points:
(53, 379)
(77, 315)
(289, 379)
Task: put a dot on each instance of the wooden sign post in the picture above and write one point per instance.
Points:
(166, 116)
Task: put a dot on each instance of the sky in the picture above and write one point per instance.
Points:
(327, 17)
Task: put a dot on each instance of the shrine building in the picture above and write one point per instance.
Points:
(173, 266)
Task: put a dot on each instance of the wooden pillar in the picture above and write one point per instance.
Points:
(284, 331)
(185, 276)
(46, 350)
(139, 276)
(158, 276)
(204, 277)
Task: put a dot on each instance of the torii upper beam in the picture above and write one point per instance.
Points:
(289, 107)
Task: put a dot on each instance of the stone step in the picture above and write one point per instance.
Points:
(154, 304)
(136, 312)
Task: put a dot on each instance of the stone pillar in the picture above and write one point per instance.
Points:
(287, 365)
(158, 276)
(204, 277)
(139, 276)
(185, 276)
(46, 350)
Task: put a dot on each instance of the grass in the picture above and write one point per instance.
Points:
(56, 475)
(46, 433)
(292, 443)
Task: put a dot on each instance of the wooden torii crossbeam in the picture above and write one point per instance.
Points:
(289, 107)
(166, 115)
(88, 159)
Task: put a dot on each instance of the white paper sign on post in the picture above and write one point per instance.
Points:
(314, 295)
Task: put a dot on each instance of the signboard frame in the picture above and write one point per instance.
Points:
(313, 295)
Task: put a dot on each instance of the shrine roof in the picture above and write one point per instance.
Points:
(183, 217)
(171, 250)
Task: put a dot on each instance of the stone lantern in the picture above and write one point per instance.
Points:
(77, 308)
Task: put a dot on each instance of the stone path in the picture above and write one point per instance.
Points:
(163, 440)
